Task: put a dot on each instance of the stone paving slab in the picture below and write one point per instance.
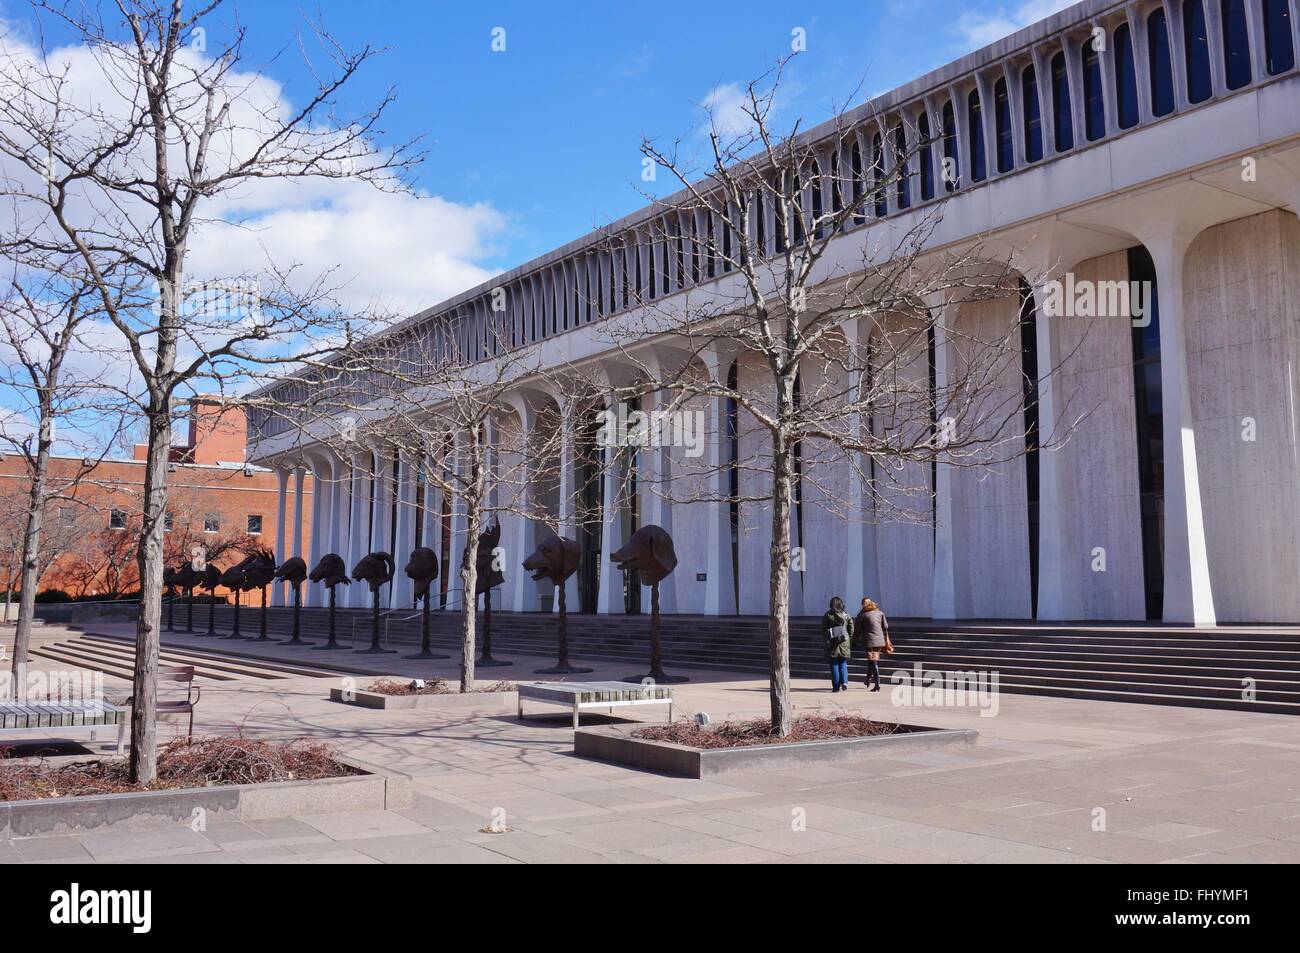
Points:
(1177, 785)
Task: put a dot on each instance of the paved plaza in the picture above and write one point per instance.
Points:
(1167, 784)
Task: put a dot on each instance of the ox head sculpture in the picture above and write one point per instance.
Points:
(556, 559)
(650, 552)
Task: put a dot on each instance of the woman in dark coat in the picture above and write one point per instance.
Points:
(873, 630)
(838, 629)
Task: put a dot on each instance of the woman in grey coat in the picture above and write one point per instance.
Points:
(873, 629)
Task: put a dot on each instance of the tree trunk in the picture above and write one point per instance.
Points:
(149, 561)
(778, 623)
(469, 598)
(31, 558)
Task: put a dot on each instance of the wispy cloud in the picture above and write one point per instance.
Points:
(977, 29)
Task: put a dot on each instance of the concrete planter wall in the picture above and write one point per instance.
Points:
(615, 744)
(452, 701)
(151, 810)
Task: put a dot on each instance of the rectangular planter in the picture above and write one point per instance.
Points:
(154, 810)
(615, 744)
(451, 701)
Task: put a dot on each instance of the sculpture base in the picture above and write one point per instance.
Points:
(563, 670)
(294, 641)
(330, 645)
(241, 638)
(663, 678)
(491, 663)
(376, 650)
(426, 655)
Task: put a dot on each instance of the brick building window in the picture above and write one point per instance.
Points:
(116, 519)
(167, 522)
(254, 526)
(212, 523)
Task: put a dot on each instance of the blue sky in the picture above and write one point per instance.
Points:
(535, 146)
(547, 131)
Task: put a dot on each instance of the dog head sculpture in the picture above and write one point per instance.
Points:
(293, 570)
(331, 570)
(375, 569)
(488, 577)
(422, 568)
(650, 552)
(556, 559)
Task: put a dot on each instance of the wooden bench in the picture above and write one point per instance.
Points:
(59, 719)
(585, 695)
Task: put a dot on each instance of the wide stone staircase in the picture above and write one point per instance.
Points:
(1251, 668)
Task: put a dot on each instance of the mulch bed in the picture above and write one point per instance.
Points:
(741, 734)
(181, 764)
(432, 686)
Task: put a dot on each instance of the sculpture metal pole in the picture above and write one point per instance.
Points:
(294, 571)
(330, 570)
(211, 578)
(556, 559)
(376, 569)
(422, 569)
(650, 552)
(488, 577)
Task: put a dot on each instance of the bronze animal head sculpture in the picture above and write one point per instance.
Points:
(233, 578)
(650, 552)
(258, 568)
(556, 559)
(488, 577)
(292, 571)
(422, 567)
(210, 578)
(169, 577)
(185, 576)
(331, 570)
(375, 569)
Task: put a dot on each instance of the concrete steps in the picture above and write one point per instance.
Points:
(116, 656)
(1145, 663)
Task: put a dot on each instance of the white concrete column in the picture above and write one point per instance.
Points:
(609, 598)
(1188, 596)
(318, 518)
(568, 520)
(381, 533)
(458, 531)
(299, 486)
(1060, 563)
(720, 587)
(431, 528)
(944, 602)
(282, 476)
(359, 522)
(861, 568)
(403, 589)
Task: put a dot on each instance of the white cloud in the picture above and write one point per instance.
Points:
(726, 106)
(402, 251)
(980, 29)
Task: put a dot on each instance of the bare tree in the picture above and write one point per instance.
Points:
(126, 185)
(456, 408)
(834, 338)
(42, 322)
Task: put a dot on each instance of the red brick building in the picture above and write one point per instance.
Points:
(217, 504)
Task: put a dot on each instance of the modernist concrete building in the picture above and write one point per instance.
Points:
(1151, 140)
